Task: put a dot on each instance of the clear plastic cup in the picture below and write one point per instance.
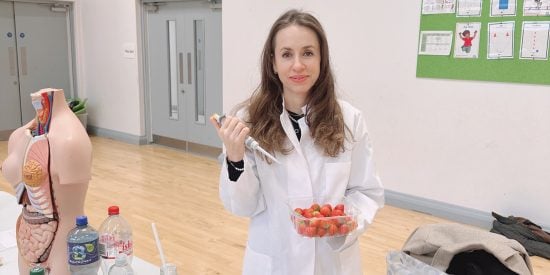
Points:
(168, 269)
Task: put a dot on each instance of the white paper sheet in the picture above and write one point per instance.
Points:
(501, 40)
(7, 239)
(435, 42)
(468, 8)
(536, 7)
(503, 8)
(438, 6)
(467, 40)
(534, 40)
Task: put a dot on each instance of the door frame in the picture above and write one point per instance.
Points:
(143, 68)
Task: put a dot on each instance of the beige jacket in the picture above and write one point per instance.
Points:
(436, 245)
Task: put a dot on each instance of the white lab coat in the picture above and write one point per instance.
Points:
(263, 190)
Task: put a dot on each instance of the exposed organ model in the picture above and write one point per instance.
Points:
(49, 165)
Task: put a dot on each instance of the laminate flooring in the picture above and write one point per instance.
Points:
(179, 192)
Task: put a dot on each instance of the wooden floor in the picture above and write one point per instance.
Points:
(179, 192)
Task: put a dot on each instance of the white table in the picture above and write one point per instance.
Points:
(10, 210)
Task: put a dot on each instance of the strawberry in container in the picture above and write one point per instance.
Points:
(332, 218)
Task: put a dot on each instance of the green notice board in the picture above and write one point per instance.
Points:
(500, 70)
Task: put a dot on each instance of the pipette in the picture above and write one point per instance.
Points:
(249, 142)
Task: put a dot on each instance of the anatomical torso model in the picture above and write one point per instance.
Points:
(49, 165)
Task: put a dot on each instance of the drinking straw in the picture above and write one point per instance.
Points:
(159, 246)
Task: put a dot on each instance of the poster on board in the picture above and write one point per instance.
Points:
(503, 8)
(435, 43)
(438, 6)
(467, 40)
(534, 40)
(468, 8)
(536, 7)
(501, 40)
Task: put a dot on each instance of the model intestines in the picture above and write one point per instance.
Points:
(39, 222)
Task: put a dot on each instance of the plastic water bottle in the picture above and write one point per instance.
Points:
(82, 248)
(121, 266)
(115, 237)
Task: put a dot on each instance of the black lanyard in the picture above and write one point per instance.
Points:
(294, 117)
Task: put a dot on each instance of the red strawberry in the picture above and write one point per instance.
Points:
(301, 228)
(314, 222)
(311, 231)
(325, 210)
(298, 211)
(332, 230)
(324, 224)
(344, 229)
(337, 213)
(315, 207)
(321, 232)
(339, 207)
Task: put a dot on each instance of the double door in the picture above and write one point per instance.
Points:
(184, 60)
(34, 54)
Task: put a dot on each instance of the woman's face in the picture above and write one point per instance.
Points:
(297, 59)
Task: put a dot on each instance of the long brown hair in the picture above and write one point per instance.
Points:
(323, 113)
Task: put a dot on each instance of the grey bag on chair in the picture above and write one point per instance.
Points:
(399, 263)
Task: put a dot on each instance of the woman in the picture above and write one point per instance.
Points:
(321, 144)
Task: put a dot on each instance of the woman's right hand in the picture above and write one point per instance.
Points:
(233, 133)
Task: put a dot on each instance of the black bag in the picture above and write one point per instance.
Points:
(477, 262)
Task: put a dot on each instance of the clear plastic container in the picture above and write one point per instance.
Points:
(168, 269)
(82, 250)
(322, 217)
(115, 237)
(399, 263)
(121, 266)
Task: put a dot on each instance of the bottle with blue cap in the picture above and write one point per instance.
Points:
(82, 248)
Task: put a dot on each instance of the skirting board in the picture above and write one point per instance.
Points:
(445, 210)
(116, 135)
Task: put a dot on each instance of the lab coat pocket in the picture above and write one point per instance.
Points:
(350, 259)
(336, 178)
(256, 263)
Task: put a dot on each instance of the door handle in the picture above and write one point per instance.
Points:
(189, 69)
(24, 60)
(181, 68)
(11, 53)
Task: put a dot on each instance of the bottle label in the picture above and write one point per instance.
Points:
(83, 253)
(109, 246)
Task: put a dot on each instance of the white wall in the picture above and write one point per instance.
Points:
(105, 76)
(480, 145)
